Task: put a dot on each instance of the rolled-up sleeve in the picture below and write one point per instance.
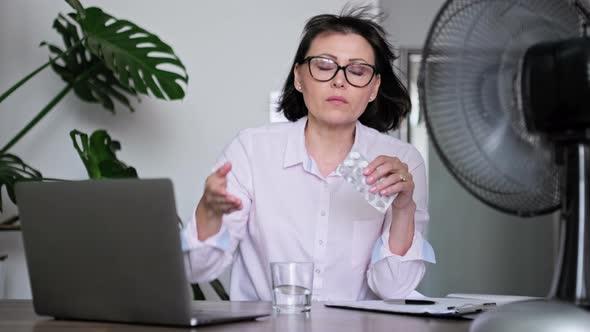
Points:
(206, 260)
(393, 276)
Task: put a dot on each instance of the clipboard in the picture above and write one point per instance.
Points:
(446, 307)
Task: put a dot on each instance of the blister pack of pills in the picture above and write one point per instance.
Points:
(351, 169)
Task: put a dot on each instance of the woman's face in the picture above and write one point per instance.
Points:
(337, 103)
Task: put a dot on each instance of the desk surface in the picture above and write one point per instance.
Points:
(18, 316)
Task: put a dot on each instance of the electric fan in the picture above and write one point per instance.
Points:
(505, 89)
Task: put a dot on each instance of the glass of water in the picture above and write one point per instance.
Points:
(292, 283)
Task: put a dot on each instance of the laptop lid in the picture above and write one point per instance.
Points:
(105, 250)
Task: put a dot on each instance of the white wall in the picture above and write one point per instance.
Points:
(479, 249)
(235, 52)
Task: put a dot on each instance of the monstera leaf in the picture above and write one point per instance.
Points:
(98, 155)
(138, 58)
(91, 79)
(12, 170)
(109, 59)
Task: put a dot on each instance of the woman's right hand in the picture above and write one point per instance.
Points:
(215, 202)
(216, 199)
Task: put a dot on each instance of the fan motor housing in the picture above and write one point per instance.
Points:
(556, 88)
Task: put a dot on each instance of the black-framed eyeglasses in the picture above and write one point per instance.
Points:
(324, 69)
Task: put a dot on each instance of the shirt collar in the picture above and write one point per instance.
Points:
(296, 153)
(359, 139)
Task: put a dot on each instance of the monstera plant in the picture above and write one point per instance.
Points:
(103, 59)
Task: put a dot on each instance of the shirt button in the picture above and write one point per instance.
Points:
(317, 271)
(321, 242)
(323, 213)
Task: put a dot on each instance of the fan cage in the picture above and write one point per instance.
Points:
(469, 92)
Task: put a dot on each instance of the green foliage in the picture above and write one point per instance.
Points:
(78, 7)
(218, 288)
(92, 81)
(197, 293)
(136, 56)
(12, 170)
(98, 155)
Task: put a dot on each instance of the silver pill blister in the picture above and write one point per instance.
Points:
(351, 169)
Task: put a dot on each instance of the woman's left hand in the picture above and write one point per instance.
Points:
(396, 179)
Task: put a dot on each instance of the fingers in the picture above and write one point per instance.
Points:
(222, 203)
(380, 160)
(216, 185)
(383, 166)
(233, 199)
(216, 182)
(393, 184)
(216, 197)
(381, 171)
(389, 176)
(224, 169)
(223, 199)
(226, 208)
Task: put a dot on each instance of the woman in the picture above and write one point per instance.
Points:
(275, 195)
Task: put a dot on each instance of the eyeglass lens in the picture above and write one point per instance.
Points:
(357, 74)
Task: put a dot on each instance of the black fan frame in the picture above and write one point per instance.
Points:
(445, 160)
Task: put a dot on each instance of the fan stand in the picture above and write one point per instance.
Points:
(567, 306)
(571, 282)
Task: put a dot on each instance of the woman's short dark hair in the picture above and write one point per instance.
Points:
(392, 103)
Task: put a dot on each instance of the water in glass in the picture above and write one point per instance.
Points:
(291, 298)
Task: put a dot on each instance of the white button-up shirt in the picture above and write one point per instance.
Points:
(293, 213)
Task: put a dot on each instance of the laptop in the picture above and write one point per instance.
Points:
(110, 250)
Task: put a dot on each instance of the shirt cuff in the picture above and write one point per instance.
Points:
(419, 250)
(189, 237)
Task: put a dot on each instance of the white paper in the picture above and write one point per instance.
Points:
(498, 299)
(442, 306)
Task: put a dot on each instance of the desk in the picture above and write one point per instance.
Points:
(18, 316)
